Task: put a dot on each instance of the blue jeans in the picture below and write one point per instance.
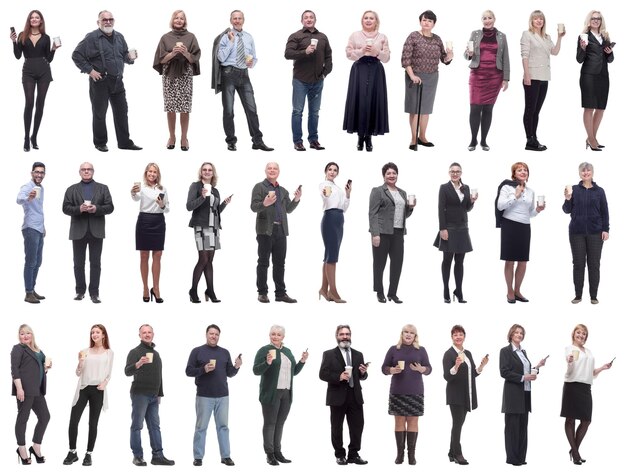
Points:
(145, 407)
(204, 407)
(235, 79)
(312, 92)
(33, 251)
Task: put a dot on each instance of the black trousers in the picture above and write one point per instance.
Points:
(391, 246)
(353, 412)
(110, 89)
(274, 417)
(40, 408)
(90, 394)
(276, 247)
(516, 434)
(80, 254)
(586, 250)
(534, 96)
(458, 412)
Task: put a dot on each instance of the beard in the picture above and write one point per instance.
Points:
(107, 30)
(344, 344)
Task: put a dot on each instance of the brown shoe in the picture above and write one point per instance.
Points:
(30, 298)
(263, 298)
(299, 147)
(316, 145)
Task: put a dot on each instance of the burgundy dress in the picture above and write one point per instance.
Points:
(486, 80)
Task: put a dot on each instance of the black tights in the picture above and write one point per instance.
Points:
(480, 116)
(204, 266)
(446, 264)
(29, 96)
(575, 435)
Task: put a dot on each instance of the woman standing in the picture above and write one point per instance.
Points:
(460, 372)
(588, 230)
(595, 52)
(515, 369)
(490, 71)
(177, 60)
(336, 202)
(150, 228)
(38, 53)
(577, 403)
(406, 362)
(94, 372)
(366, 104)
(421, 54)
(455, 200)
(515, 205)
(536, 50)
(203, 201)
(277, 366)
(29, 366)
(389, 209)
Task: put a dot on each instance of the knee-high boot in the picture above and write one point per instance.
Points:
(400, 441)
(411, 441)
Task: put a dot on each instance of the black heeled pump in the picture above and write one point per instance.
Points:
(39, 459)
(359, 144)
(158, 300)
(24, 461)
(211, 295)
(368, 144)
(193, 296)
(458, 296)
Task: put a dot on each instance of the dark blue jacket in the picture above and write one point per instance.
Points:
(588, 209)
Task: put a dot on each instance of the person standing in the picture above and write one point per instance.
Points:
(31, 197)
(211, 366)
(101, 55)
(312, 62)
(87, 202)
(236, 54)
(343, 368)
(144, 365)
(271, 203)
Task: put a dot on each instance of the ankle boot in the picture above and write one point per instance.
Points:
(368, 144)
(411, 441)
(359, 145)
(400, 440)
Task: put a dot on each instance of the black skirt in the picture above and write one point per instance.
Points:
(514, 241)
(577, 402)
(458, 241)
(366, 105)
(150, 232)
(594, 90)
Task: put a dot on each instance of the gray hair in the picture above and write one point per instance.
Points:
(276, 327)
(585, 166)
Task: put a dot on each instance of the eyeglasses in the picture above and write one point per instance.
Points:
(107, 20)
(37, 172)
(596, 19)
(86, 170)
(455, 172)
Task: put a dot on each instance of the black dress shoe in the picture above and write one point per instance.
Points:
(359, 144)
(413, 146)
(197, 462)
(33, 140)
(232, 147)
(139, 461)
(520, 298)
(281, 458)
(299, 147)
(425, 144)
(95, 299)
(368, 144)
(261, 146)
(263, 298)
(102, 148)
(316, 145)
(381, 297)
(131, 147)
(341, 460)
(79, 297)
(285, 298)
(26, 145)
(271, 460)
(395, 299)
(170, 146)
(226, 461)
(356, 460)
(87, 459)
(161, 461)
(71, 457)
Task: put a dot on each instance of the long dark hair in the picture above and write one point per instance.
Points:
(105, 336)
(27, 29)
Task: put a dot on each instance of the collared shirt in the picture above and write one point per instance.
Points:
(33, 209)
(526, 363)
(313, 67)
(278, 206)
(336, 199)
(105, 54)
(147, 199)
(227, 51)
(517, 209)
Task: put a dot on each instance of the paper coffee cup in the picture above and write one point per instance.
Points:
(534, 371)
(207, 187)
(249, 58)
(87, 202)
(462, 356)
(272, 352)
(132, 54)
(57, 41)
(47, 362)
(150, 356)
(401, 364)
(575, 354)
(178, 43)
(473, 192)
(561, 27)
(37, 190)
(83, 354)
(448, 45)
(212, 362)
(584, 37)
(541, 199)
(369, 41)
(328, 190)
(314, 42)
(470, 45)
(411, 199)
(348, 368)
(271, 193)
(568, 189)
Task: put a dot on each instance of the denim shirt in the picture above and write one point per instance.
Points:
(106, 55)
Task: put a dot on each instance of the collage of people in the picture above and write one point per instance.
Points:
(247, 236)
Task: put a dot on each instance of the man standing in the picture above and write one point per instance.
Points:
(210, 364)
(236, 54)
(271, 203)
(344, 368)
(30, 197)
(87, 202)
(312, 62)
(101, 55)
(144, 364)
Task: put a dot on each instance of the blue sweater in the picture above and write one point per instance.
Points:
(210, 384)
(588, 209)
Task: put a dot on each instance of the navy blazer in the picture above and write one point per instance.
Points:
(333, 365)
(512, 371)
(382, 210)
(83, 222)
(26, 367)
(457, 389)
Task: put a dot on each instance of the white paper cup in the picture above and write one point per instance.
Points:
(534, 371)
(575, 354)
(83, 354)
(132, 54)
(212, 362)
(150, 356)
(462, 356)
(401, 364)
(449, 45)
(473, 192)
(271, 193)
(207, 187)
(568, 189)
(37, 190)
(348, 368)
(328, 190)
(412, 200)
(272, 352)
(369, 41)
(87, 202)
(57, 41)
(314, 42)
(178, 43)
(470, 45)
(47, 362)
(561, 27)
(584, 37)
(541, 200)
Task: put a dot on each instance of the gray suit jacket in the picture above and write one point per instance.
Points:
(26, 367)
(382, 209)
(83, 222)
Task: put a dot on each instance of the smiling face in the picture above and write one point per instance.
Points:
(458, 338)
(331, 173)
(146, 334)
(212, 337)
(308, 20)
(580, 337)
(35, 20)
(517, 336)
(586, 175)
(236, 20)
(38, 175)
(26, 336)
(391, 177)
(86, 171)
(488, 20)
(595, 22)
(276, 337)
(344, 337)
(272, 171)
(151, 175)
(97, 336)
(206, 173)
(455, 173)
(179, 21)
(537, 22)
(106, 22)
(369, 22)
(521, 174)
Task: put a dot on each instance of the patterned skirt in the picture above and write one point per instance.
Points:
(207, 239)
(178, 91)
(406, 405)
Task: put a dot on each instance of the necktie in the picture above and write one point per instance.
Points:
(349, 362)
(241, 51)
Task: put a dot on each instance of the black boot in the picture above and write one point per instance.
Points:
(359, 145)
(368, 144)
(400, 440)
(411, 441)
(193, 296)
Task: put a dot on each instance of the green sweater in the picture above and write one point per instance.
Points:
(269, 373)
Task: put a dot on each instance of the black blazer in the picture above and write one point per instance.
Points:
(594, 60)
(457, 389)
(333, 365)
(452, 212)
(512, 371)
(83, 222)
(26, 367)
(201, 207)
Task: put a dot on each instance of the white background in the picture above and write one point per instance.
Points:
(62, 325)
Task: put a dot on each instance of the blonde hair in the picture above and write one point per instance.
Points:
(213, 179)
(583, 328)
(409, 328)
(174, 16)
(375, 16)
(488, 12)
(587, 26)
(33, 345)
(537, 14)
(158, 178)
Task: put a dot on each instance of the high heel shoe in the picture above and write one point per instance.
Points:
(381, 297)
(193, 296)
(359, 144)
(446, 299)
(575, 457)
(184, 148)
(589, 146)
(39, 459)
(459, 459)
(26, 144)
(159, 300)
(395, 299)
(579, 458)
(146, 298)
(458, 296)
(33, 141)
(210, 295)
(336, 299)
(24, 461)
(323, 294)
(368, 144)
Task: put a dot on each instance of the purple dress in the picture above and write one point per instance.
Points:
(486, 80)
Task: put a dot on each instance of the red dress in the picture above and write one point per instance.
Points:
(486, 80)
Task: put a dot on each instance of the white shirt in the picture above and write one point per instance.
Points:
(581, 369)
(337, 197)
(284, 374)
(517, 209)
(96, 369)
(147, 197)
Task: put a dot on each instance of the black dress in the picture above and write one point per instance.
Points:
(594, 73)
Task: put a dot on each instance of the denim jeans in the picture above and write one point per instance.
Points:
(33, 251)
(145, 407)
(312, 92)
(204, 407)
(235, 79)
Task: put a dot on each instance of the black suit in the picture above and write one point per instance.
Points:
(87, 229)
(344, 401)
(515, 405)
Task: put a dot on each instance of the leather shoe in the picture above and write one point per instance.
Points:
(285, 298)
(271, 460)
(263, 298)
(261, 146)
(425, 144)
(232, 147)
(395, 299)
(316, 145)
(71, 457)
(198, 462)
(161, 461)
(356, 460)
(38, 296)
(30, 298)
(299, 147)
(281, 458)
(131, 147)
(139, 461)
(226, 461)
(102, 148)
(341, 461)
(79, 297)
(95, 299)
(520, 298)
(381, 297)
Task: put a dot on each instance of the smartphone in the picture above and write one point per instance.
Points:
(13, 30)
(300, 188)
(486, 356)
(546, 357)
(349, 182)
(161, 196)
(367, 364)
(612, 44)
(231, 196)
(239, 356)
(612, 361)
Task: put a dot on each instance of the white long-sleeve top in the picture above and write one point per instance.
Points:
(96, 369)
(517, 209)
(580, 370)
(337, 197)
(147, 199)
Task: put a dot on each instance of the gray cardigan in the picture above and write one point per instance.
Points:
(502, 56)
(382, 209)
(265, 216)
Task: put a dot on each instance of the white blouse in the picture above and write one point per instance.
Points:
(147, 199)
(581, 369)
(96, 369)
(517, 209)
(337, 197)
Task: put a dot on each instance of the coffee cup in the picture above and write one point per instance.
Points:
(448, 45)
(348, 368)
(328, 190)
(272, 352)
(541, 200)
(83, 354)
(585, 38)
(534, 371)
(568, 189)
(37, 190)
(57, 41)
(271, 193)
(212, 362)
(207, 187)
(150, 357)
(314, 42)
(401, 364)
(369, 41)
(575, 354)
(461, 355)
(473, 192)
(561, 28)
(47, 362)
(470, 45)
(178, 43)
(412, 200)
(132, 54)
(87, 202)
